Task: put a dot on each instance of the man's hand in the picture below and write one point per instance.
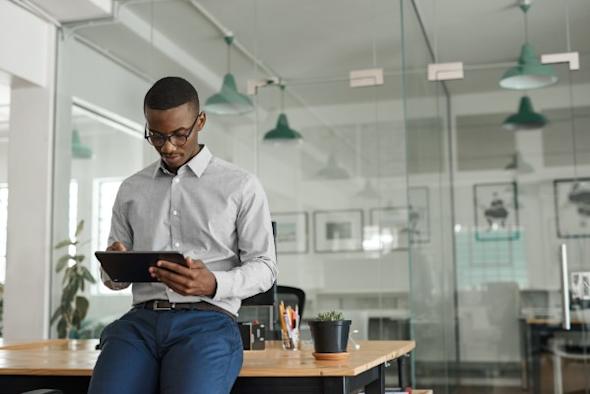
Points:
(117, 247)
(193, 280)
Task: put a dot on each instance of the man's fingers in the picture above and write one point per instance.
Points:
(166, 275)
(176, 282)
(117, 246)
(179, 268)
(194, 264)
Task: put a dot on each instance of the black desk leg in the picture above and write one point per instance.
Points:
(336, 385)
(400, 371)
(536, 351)
(377, 386)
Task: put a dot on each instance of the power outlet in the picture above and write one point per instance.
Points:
(580, 285)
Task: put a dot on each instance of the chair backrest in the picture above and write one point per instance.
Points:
(292, 296)
(269, 297)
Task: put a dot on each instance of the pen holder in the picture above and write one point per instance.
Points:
(291, 339)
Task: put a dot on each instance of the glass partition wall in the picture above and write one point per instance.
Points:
(403, 204)
(429, 194)
(515, 303)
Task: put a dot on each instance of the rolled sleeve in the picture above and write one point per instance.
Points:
(258, 270)
(120, 231)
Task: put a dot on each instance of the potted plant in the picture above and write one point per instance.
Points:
(73, 307)
(329, 332)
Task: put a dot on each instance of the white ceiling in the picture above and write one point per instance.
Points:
(484, 32)
(69, 10)
(486, 35)
(316, 44)
(308, 40)
(313, 45)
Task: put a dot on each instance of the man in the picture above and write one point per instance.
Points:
(181, 335)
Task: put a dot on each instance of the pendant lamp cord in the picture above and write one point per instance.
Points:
(571, 90)
(152, 52)
(229, 57)
(526, 24)
(374, 43)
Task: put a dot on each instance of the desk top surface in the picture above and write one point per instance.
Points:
(550, 322)
(60, 357)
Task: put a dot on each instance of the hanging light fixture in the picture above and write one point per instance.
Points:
(229, 101)
(529, 73)
(79, 151)
(518, 164)
(282, 132)
(526, 118)
(332, 170)
(368, 191)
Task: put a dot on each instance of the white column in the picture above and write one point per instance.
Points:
(30, 174)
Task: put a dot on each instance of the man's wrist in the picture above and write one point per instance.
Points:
(214, 291)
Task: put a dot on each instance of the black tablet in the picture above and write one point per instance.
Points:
(133, 266)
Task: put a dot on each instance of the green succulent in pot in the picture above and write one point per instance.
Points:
(329, 331)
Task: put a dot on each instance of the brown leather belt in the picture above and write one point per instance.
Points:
(165, 305)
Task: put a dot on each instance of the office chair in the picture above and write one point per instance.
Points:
(561, 351)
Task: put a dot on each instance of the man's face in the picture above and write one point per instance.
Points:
(176, 122)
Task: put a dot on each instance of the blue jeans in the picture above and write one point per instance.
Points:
(173, 352)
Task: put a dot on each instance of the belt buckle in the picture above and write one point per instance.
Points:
(157, 306)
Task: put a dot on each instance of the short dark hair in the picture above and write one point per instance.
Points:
(170, 92)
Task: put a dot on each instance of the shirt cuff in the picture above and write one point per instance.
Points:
(225, 281)
(108, 282)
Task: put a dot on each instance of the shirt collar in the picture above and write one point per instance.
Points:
(197, 164)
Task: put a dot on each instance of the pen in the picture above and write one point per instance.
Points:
(282, 315)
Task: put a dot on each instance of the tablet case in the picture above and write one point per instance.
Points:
(133, 266)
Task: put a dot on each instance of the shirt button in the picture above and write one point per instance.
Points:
(176, 180)
(175, 212)
(176, 244)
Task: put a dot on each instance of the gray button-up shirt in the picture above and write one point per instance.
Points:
(212, 211)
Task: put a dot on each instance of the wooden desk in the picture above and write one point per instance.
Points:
(67, 365)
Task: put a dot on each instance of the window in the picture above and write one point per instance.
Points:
(105, 192)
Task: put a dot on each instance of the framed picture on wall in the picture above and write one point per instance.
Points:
(496, 211)
(419, 214)
(291, 232)
(572, 207)
(338, 231)
(390, 229)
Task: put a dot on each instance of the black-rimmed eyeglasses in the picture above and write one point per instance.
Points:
(178, 138)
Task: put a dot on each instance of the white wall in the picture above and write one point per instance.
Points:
(26, 57)
(30, 61)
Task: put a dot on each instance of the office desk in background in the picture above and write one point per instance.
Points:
(536, 332)
(67, 365)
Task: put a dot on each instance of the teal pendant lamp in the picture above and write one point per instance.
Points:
(332, 170)
(526, 118)
(79, 151)
(529, 73)
(282, 132)
(229, 101)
